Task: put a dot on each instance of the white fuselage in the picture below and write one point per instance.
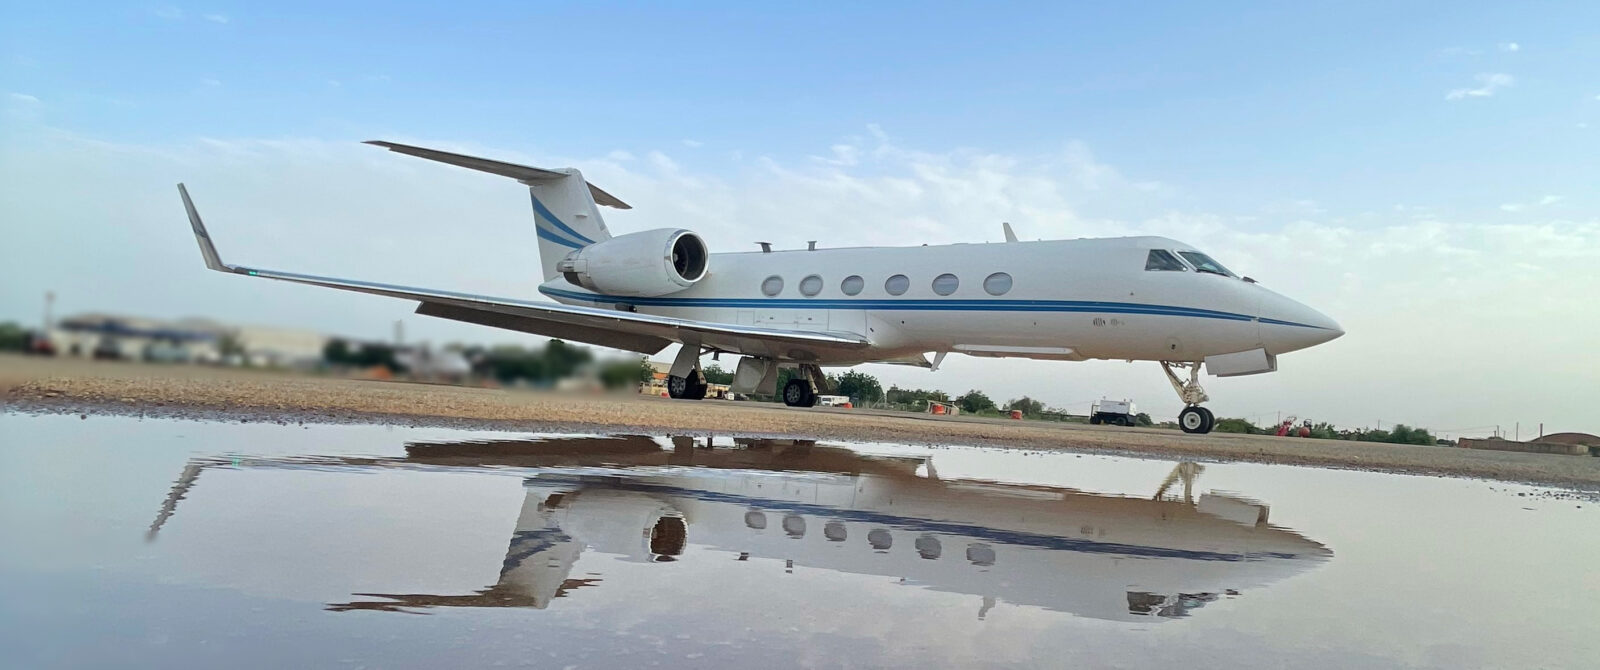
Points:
(1067, 300)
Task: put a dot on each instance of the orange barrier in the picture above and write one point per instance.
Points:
(1016, 414)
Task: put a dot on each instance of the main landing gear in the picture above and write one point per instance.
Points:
(692, 387)
(1193, 418)
(801, 391)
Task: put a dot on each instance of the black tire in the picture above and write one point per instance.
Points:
(697, 388)
(798, 393)
(1193, 420)
(1211, 419)
(1124, 421)
(1094, 420)
(692, 387)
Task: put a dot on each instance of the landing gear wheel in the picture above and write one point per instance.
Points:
(692, 387)
(798, 393)
(1196, 420)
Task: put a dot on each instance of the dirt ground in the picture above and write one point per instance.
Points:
(77, 386)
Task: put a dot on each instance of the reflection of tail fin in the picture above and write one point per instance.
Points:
(564, 205)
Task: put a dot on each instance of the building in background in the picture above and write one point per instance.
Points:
(191, 340)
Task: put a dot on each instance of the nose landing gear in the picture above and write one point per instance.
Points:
(1193, 418)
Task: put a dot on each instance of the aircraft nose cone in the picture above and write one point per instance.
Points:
(1287, 325)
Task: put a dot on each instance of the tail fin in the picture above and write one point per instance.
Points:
(565, 210)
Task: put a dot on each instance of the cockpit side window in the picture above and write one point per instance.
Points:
(1204, 263)
(1163, 261)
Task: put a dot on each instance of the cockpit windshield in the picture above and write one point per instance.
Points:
(1204, 263)
(1163, 261)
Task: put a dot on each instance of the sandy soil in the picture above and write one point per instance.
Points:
(59, 385)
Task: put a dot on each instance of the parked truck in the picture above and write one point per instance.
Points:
(1114, 412)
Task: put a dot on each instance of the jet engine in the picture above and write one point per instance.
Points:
(643, 264)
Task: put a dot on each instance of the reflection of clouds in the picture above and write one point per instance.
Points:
(880, 539)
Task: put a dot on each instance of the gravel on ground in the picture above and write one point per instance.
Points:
(60, 385)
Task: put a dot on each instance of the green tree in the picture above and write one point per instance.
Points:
(562, 359)
(1236, 426)
(624, 372)
(1028, 406)
(859, 386)
(716, 375)
(1143, 419)
(12, 337)
(913, 398)
(975, 401)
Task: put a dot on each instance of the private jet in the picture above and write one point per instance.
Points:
(774, 506)
(1125, 298)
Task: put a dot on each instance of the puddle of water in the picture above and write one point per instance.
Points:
(159, 543)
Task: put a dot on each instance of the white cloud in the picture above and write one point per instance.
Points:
(693, 144)
(1510, 47)
(216, 18)
(211, 82)
(168, 12)
(1544, 201)
(24, 98)
(1419, 294)
(1488, 83)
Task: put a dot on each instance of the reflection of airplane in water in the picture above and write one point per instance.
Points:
(831, 508)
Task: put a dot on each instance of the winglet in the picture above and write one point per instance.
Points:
(208, 250)
(1010, 236)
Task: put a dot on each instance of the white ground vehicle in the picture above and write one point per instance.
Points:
(1114, 412)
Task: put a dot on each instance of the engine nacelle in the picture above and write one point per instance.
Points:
(643, 264)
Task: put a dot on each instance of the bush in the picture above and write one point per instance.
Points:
(1236, 426)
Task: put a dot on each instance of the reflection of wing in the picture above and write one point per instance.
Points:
(610, 328)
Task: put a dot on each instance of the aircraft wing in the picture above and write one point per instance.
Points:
(611, 328)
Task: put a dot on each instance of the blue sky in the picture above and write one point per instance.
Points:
(1343, 101)
(1404, 168)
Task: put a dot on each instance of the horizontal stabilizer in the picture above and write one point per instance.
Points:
(520, 173)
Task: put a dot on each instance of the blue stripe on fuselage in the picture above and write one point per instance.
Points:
(998, 535)
(992, 305)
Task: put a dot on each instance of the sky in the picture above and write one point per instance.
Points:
(1424, 177)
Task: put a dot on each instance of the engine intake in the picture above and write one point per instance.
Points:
(642, 264)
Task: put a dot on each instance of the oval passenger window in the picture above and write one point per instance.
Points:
(811, 285)
(772, 286)
(852, 285)
(945, 284)
(998, 283)
(897, 285)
